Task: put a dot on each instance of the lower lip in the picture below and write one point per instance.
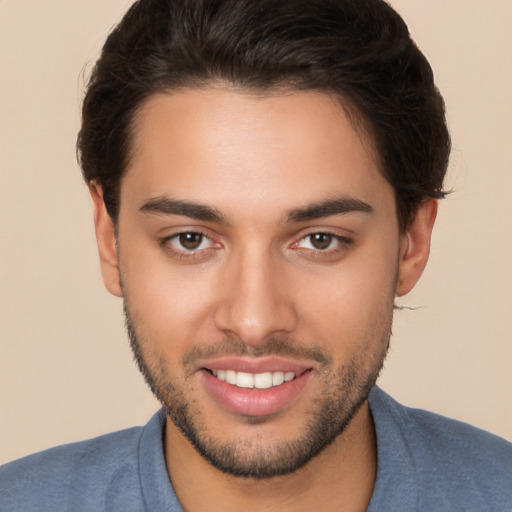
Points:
(253, 401)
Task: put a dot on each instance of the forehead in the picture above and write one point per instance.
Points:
(219, 145)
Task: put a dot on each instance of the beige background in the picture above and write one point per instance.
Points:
(65, 368)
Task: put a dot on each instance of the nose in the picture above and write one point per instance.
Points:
(256, 302)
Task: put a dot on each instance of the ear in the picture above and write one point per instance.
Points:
(415, 247)
(106, 239)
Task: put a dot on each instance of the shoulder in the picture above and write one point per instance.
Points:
(453, 462)
(448, 440)
(84, 471)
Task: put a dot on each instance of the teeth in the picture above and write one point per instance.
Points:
(230, 377)
(244, 380)
(259, 380)
(263, 380)
(277, 378)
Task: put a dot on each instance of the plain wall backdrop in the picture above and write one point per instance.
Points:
(66, 372)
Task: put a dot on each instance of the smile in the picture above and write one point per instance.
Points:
(255, 388)
(263, 380)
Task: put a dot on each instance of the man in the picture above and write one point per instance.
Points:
(265, 177)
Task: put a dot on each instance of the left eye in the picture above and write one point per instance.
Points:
(190, 241)
(319, 241)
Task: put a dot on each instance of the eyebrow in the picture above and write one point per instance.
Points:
(168, 206)
(337, 206)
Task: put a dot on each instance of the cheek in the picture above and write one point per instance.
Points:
(170, 305)
(351, 306)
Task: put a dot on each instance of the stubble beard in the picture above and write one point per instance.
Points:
(345, 390)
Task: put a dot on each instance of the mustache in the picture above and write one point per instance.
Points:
(229, 347)
(275, 346)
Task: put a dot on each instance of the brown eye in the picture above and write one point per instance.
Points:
(321, 241)
(190, 241)
(190, 244)
(323, 245)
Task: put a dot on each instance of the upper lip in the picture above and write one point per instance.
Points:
(255, 365)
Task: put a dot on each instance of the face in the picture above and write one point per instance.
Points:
(258, 255)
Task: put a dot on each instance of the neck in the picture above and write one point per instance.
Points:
(340, 478)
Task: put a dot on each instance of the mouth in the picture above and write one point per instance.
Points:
(255, 388)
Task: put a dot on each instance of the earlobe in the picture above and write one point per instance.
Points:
(415, 247)
(106, 240)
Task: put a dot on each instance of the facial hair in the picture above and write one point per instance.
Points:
(345, 389)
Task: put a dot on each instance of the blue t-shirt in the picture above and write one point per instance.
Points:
(425, 463)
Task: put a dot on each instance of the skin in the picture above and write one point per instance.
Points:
(258, 275)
